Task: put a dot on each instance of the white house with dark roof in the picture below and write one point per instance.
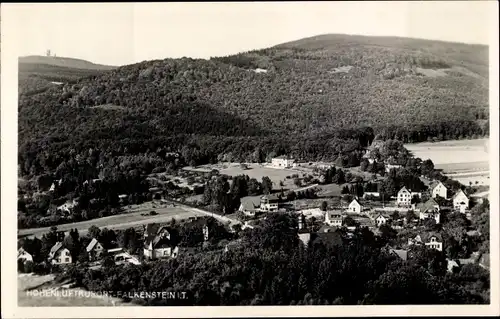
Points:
(381, 219)
(159, 242)
(94, 249)
(249, 206)
(460, 201)
(60, 255)
(438, 189)
(429, 209)
(431, 240)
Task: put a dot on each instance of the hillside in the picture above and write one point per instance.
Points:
(316, 98)
(37, 73)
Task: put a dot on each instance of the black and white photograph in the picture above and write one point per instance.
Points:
(307, 155)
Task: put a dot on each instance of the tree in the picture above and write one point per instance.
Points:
(410, 216)
(94, 232)
(254, 187)
(324, 206)
(345, 190)
(364, 165)
(267, 185)
(297, 182)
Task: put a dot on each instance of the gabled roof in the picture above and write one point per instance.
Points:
(433, 184)
(401, 253)
(22, 251)
(334, 214)
(55, 249)
(155, 238)
(459, 193)
(92, 244)
(427, 206)
(485, 260)
(270, 197)
(330, 238)
(355, 201)
(403, 189)
(249, 204)
(426, 237)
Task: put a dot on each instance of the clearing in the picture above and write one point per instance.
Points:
(132, 218)
(463, 160)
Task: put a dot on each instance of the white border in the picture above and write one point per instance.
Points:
(8, 233)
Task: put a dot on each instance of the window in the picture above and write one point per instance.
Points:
(66, 259)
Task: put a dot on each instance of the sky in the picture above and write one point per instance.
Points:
(124, 33)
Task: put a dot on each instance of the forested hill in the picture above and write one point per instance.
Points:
(299, 95)
(37, 73)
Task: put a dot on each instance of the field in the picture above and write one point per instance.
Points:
(463, 160)
(30, 281)
(123, 221)
(256, 171)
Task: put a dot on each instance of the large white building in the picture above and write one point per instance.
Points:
(355, 207)
(283, 162)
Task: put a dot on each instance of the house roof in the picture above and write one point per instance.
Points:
(403, 189)
(355, 201)
(433, 184)
(327, 229)
(426, 237)
(427, 206)
(55, 249)
(401, 253)
(459, 193)
(485, 260)
(155, 238)
(249, 204)
(270, 197)
(22, 251)
(92, 244)
(331, 238)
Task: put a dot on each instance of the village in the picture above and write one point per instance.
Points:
(323, 211)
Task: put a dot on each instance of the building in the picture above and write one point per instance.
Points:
(269, 203)
(460, 201)
(434, 241)
(159, 242)
(452, 265)
(438, 189)
(355, 207)
(431, 240)
(206, 234)
(24, 255)
(249, 207)
(283, 162)
(404, 197)
(60, 255)
(68, 206)
(333, 218)
(371, 194)
(429, 209)
(389, 167)
(381, 220)
(94, 249)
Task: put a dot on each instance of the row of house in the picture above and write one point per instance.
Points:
(159, 242)
(460, 199)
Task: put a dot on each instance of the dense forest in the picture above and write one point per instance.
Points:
(321, 99)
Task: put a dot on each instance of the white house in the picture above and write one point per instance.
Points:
(333, 218)
(355, 207)
(159, 243)
(24, 255)
(432, 240)
(460, 201)
(94, 249)
(60, 255)
(404, 197)
(381, 220)
(283, 162)
(429, 209)
(269, 203)
(438, 189)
